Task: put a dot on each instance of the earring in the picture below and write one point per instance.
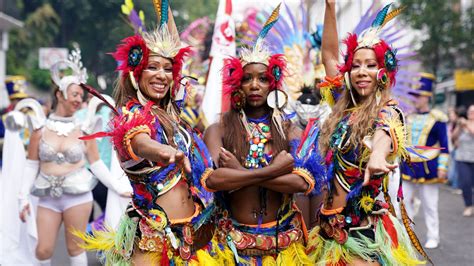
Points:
(378, 95)
(277, 99)
(347, 81)
(382, 76)
(237, 99)
(133, 81)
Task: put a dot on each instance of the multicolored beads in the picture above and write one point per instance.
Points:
(260, 134)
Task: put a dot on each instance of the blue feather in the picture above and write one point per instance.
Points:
(356, 190)
(381, 16)
(164, 12)
(265, 30)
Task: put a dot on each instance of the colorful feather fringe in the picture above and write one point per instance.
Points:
(388, 252)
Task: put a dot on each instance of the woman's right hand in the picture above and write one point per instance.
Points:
(25, 212)
(169, 155)
(282, 164)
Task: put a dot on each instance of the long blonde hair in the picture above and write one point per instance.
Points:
(364, 117)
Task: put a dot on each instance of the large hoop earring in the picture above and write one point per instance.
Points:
(277, 99)
(382, 77)
(347, 81)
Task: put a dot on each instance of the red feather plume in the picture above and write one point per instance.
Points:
(122, 52)
(178, 62)
(351, 44)
(232, 74)
(277, 60)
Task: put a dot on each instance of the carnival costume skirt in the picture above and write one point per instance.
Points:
(178, 243)
(384, 240)
(258, 245)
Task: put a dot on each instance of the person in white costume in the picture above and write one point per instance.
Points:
(55, 170)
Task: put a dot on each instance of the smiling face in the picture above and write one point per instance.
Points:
(255, 84)
(363, 73)
(75, 96)
(156, 78)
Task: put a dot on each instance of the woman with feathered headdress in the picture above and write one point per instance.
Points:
(360, 140)
(257, 175)
(169, 221)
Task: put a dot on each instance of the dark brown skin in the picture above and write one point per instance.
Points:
(245, 183)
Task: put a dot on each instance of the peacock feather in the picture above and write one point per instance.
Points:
(270, 22)
(380, 18)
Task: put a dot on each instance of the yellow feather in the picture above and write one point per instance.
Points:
(392, 15)
(273, 16)
(157, 5)
(101, 240)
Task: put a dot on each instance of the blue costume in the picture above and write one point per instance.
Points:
(427, 129)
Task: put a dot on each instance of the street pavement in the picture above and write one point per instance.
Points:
(457, 235)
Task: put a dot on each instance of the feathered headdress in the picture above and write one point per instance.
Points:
(369, 38)
(259, 53)
(73, 62)
(134, 51)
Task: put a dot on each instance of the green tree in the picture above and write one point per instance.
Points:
(40, 29)
(445, 38)
(97, 26)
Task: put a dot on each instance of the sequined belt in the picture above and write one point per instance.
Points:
(338, 226)
(77, 182)
(258, 244)
(178, 236)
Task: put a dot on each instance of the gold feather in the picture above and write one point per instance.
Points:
(157, 6)
(392, 15)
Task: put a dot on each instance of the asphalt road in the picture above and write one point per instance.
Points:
(457, 235)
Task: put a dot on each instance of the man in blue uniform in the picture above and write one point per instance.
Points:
(426, 127)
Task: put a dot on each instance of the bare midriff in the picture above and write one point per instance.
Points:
(245, 205)
(178, 202)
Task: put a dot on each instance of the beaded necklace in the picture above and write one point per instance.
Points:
(260, 134)
(256, 158)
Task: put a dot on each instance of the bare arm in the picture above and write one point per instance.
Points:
(381, 147)
(144, 146)
(288, 183)
(330, 43)
(92, 151)
(33, 146)
(225, 178)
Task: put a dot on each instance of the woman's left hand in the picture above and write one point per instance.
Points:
(377, 165)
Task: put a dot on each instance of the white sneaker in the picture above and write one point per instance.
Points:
(431, 244)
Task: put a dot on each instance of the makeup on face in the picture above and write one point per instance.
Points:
(255, 84)
(363, 73)
(157, 77)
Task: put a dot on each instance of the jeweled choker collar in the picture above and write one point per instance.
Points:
(63, 119)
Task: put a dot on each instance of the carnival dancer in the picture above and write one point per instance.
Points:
(170, 219)
(426, 128)
(360, 140)
(55, 169)
(256, 174)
